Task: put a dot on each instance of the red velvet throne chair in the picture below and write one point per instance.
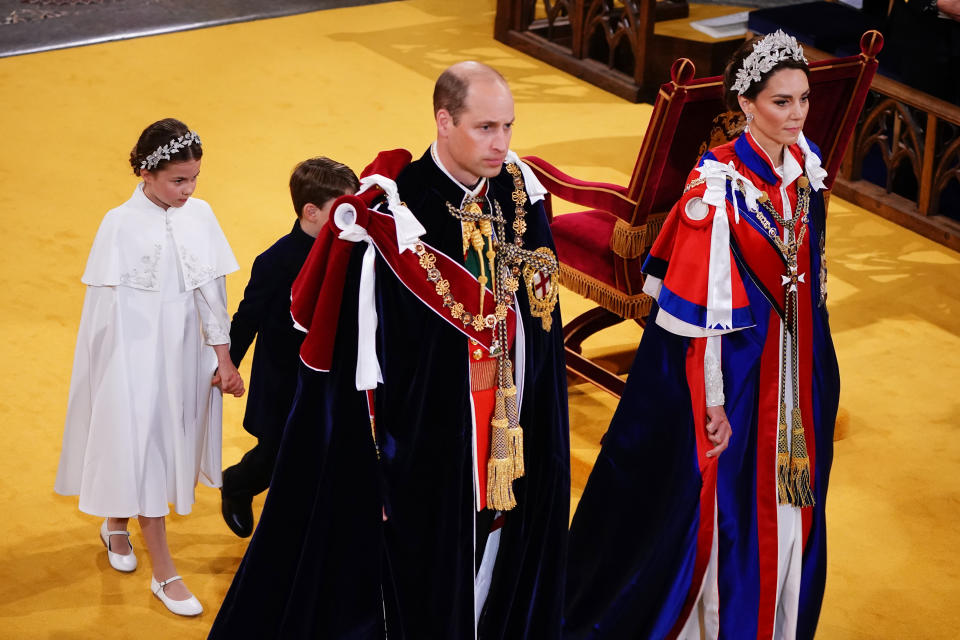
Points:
(601, 249)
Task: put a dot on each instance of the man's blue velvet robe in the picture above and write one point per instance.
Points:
(321, 563)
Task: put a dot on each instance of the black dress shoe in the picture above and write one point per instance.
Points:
(238, 514)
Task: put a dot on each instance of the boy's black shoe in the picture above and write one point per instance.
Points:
(238, 514)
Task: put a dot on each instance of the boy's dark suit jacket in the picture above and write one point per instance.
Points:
(264, 312)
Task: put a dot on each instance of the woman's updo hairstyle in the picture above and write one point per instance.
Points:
(736, 63)
(161, 133)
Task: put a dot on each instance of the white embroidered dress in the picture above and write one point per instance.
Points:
(143, 423)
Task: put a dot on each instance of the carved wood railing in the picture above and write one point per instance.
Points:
(604, 42)
(916, 138)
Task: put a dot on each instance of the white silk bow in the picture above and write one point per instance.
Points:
(368, 367)
(409, 228)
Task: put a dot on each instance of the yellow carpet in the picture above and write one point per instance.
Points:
(347, 83)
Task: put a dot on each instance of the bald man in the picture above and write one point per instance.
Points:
(450, 520)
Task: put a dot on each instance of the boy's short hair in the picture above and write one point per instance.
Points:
(319, 179)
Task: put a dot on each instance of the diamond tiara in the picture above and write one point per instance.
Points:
(766, 54)
(164, 152)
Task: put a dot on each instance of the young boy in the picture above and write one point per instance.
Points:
(265, 312)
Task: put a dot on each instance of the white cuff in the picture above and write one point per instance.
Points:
(713, 373)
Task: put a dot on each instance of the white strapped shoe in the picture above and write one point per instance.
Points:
(125, 563)
(189, 607)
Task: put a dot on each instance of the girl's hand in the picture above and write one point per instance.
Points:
(718, 430)
(228, 379)
(226, 376)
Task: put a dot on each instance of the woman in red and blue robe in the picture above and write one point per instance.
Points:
(673, 538)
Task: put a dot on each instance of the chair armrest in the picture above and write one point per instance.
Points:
(595, 195)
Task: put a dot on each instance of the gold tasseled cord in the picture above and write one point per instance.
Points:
(800, 481)
(783, 460)
(514, 431)
(500, 466)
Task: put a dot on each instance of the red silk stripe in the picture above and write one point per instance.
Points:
(805, 402)
(708, 473)
(370, 405)
(766, 263)
(319, 286)
(767, 427)
(463, 285)
(483, 402)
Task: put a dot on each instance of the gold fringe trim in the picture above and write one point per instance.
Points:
(800, 480)
(654, 225)
(515, 441)
(514, 432)
(784, 494)
(800, 465)
(628, 241)
(500, 466)
(498, 431)
(793, 467)
(500, 484)
(625, 306)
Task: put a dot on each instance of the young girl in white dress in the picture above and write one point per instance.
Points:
(143, 421)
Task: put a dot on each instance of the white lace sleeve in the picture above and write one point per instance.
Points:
(712, 373)
(211, 301)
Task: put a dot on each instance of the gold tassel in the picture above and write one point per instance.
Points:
(515, 438)
(466, 228)
(800, 465)
(500, 466)
(500, 484)
(514, 432)
(499, 418)
(783, 460)
(628, 241)
(800, 479)
(655, 224)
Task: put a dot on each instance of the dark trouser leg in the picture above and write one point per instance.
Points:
(252, 474)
